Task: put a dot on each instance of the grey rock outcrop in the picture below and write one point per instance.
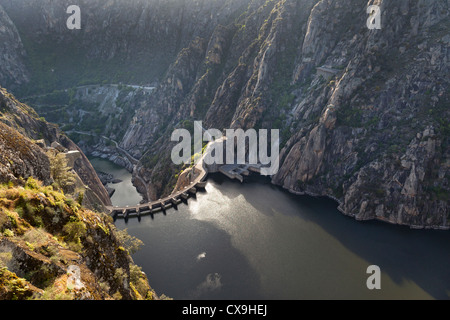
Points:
(12, 53)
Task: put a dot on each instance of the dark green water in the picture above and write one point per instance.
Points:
(256, 241)
(125, 193)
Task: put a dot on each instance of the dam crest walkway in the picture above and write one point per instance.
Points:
(235, 171)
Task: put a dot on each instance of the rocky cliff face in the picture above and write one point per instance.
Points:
(13, 72)
(371, 133)
(119, 41)
(21, 158)
(25, 123)
(370, 129)
(379, 145)
(51, 247)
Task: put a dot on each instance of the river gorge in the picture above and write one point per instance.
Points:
(359, 109)
(257, 241)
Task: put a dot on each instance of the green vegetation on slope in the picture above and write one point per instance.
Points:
(43, 234)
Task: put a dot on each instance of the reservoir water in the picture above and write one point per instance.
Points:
(125, 193)
(257, 241)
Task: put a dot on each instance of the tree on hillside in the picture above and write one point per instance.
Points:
(62, 174)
